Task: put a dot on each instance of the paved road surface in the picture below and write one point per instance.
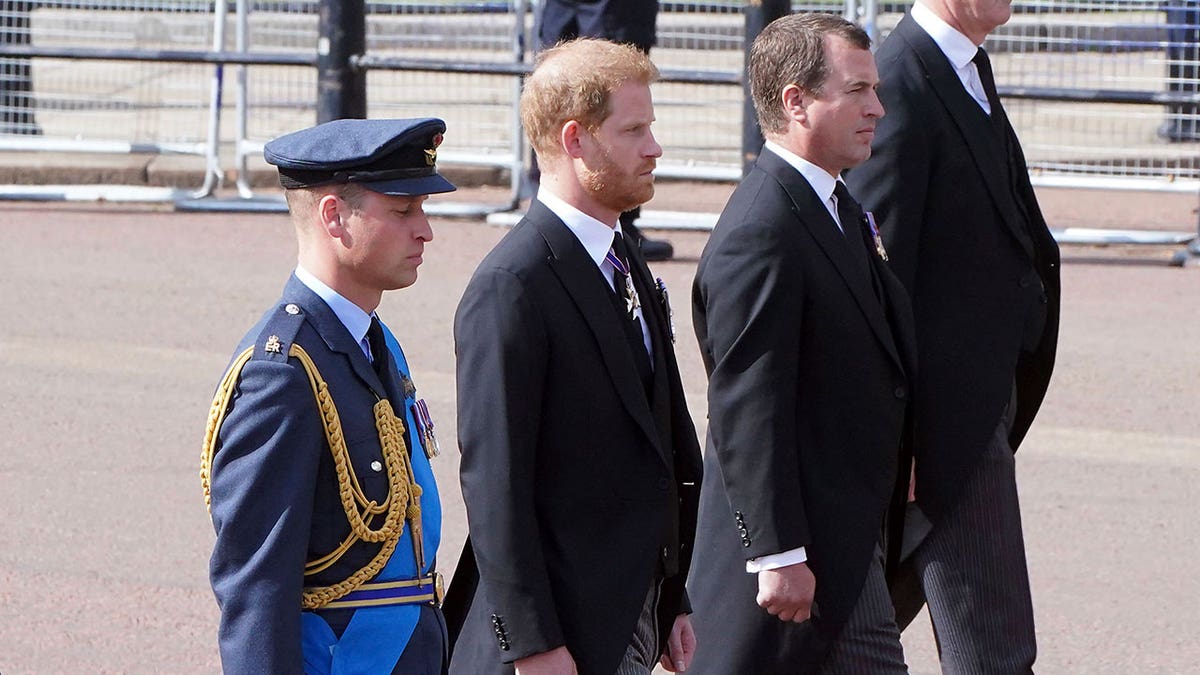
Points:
(116, 322)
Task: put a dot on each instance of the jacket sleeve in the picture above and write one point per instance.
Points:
(262, 486)
(750, 296)
(500, 345)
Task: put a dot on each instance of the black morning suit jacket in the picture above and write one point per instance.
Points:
(808, 388)
(966, 237)
(579, 489)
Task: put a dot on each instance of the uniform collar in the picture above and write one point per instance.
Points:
(351, 315)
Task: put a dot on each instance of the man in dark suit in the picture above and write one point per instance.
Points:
(807, 339)
(949, 185)
(580, 466)
(316, 455)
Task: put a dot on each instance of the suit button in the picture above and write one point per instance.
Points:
(1042, 298)
(662, 483)
(1024, 282)
(901, 393)
(665, 552)
(745, 542)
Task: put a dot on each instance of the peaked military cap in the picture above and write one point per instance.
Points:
(392, 157)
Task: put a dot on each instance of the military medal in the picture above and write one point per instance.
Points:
(665, 299)
(631, 297)
(425, 420)
(875, 235)
(420, 413)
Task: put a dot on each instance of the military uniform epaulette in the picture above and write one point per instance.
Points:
(278, 333)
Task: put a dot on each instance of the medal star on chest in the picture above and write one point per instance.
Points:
(631, 298)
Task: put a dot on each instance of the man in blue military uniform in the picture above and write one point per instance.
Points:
(316, 456)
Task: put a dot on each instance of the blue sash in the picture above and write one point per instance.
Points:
(377, 636)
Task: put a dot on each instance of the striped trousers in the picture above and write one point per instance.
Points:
(972, 571)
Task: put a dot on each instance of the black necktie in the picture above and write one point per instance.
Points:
(378, 347)
(854, 227)
(999, 117)
(984, 65)
(622, 282)
(629, 323)
(851, 214)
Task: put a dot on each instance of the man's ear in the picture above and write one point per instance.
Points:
(329, 210)
(572, 139)
(795, 102)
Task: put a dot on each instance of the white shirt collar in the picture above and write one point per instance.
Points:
(956, 46)
(822, 183)
(959, 51)
(596, 237)
(351, 315)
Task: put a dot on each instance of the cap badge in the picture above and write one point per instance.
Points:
(431, 153)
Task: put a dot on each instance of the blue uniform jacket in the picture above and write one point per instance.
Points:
(275, 503)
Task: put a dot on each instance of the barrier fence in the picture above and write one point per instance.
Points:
(1103, 93)
(147, 107)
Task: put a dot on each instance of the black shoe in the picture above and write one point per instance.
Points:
(656, 249)
(1179, 131)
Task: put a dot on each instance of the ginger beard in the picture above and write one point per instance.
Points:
(615, 187)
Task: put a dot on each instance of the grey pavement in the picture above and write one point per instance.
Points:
(118, 321)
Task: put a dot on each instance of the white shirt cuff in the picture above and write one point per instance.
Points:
(776, 560)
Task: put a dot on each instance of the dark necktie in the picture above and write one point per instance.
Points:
(999, 121)
(624, 298)
(378, 348)
(855, 228)
(851, 216)
(984, 65)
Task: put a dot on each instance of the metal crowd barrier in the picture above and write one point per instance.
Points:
(1089, 84)
(50, 101)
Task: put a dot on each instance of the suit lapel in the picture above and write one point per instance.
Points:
(583, 282)
(900, 316)
(978, 133)
(335, 335)
(654, 314)
(812, 213)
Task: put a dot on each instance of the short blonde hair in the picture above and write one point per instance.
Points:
(574, 81)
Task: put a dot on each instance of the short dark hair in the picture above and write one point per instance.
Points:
(791, 50)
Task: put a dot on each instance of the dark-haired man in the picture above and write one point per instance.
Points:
(807, 339)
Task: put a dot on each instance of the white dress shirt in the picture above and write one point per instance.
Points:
(597, 238)
(957, 47)
(821, 181)
(351, 315)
